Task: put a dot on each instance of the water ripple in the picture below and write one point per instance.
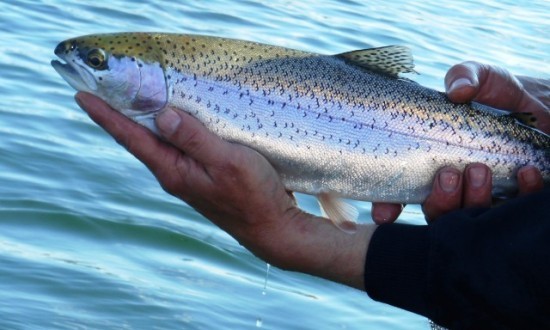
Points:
(88, 239)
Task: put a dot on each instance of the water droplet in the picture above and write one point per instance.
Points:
(268, 267)
(259, 321)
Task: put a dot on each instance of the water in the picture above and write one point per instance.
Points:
(88, 240)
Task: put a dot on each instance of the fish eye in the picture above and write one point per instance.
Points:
(96, 59)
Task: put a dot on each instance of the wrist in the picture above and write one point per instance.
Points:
(313, 245)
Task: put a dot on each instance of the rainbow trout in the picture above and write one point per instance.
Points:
(334, 126)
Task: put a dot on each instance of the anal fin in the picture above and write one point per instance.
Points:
(342, 214)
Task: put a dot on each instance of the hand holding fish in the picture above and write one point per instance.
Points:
(341, 126)
(242, 123)
(493, 86)
(238, 190)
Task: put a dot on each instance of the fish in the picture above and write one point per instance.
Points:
(344, 126)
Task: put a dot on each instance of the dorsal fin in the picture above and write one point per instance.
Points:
(525, 118)
(390, 60)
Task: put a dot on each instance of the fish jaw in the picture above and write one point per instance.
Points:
(80, 79)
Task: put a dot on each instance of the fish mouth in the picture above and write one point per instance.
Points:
(78, 77)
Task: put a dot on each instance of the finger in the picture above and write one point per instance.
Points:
(174, 171)
(462, 83)
(189, 135)
(529, 180)
(446, 194)
(478, 184)
(385, 212)
(135, 138)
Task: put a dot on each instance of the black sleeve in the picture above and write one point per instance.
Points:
(482, 269)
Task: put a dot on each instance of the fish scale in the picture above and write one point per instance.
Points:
(343, 124)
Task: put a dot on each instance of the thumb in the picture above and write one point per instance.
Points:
(190, 136)
(490, 85)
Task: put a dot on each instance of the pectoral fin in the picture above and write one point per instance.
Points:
(342, 214)
(525, 118)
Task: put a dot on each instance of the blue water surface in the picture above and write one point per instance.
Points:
(88, 239)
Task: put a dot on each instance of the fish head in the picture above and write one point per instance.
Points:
(118, 69)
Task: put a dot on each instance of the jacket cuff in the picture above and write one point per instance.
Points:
(396, 268)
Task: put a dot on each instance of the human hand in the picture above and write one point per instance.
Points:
(496, 87)
(239, 191)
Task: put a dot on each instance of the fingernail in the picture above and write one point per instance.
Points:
(477, 175)
(448, 181)
(381, 214)
(168, 122)
(459, 83)
(529, 175)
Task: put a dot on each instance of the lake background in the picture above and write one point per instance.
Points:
(88, 240)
